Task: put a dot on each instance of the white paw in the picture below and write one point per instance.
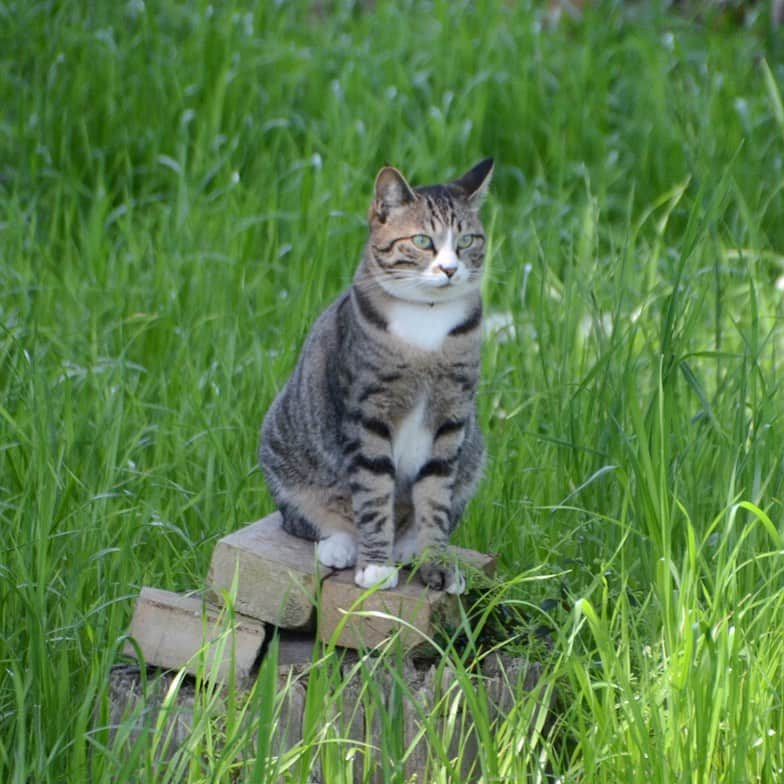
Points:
(376, 574)
(406, 549)
(338, 550)
(457, 584)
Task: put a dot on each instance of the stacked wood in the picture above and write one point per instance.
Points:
(268, 577)
(279, 580)
(264, 583)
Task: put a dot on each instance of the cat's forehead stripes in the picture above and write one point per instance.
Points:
(440, 204)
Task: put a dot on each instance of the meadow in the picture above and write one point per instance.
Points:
(183, 188)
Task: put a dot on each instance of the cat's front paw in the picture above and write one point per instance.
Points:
(338, 551)
(442, 577)
(385, 577)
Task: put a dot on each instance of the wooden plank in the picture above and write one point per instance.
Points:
(410, 602)
(277, 574)
(175, 631)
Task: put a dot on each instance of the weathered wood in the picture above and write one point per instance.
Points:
(375, 616)
(176, 631)
(136, 708)
(370, 688)
(277, 581)
(165, 710)
(277, 575)
(410, 603)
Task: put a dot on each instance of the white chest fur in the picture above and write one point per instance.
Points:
(411, 442)
(425, 326)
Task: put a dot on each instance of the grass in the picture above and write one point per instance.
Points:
(183, 188)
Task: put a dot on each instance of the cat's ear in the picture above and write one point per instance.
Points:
(391, 191)
(474, 183)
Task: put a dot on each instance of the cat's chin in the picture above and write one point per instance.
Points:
(432, 294)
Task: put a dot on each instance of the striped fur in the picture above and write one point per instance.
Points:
(372, 448)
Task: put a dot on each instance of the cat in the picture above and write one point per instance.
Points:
(372, 448)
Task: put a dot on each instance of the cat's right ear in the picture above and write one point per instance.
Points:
(474, 183)
(391, 191)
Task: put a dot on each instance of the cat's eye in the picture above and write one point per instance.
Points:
(422, 241)
(466, 241)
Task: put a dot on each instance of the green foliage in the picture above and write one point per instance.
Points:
(182, 189)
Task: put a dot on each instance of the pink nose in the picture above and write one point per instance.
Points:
(448, 271)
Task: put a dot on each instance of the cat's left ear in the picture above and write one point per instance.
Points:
(474, 183)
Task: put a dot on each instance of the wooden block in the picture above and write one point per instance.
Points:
(411, 602)
(277, 574)
(172, 630)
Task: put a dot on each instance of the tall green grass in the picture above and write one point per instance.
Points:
(183, 188)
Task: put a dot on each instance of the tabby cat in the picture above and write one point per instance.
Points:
(372, 448)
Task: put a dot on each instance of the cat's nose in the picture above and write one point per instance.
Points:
(448, 271)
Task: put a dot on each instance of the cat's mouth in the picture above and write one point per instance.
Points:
(430, 288)
(444, 282)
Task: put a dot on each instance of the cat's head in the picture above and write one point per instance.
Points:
(427, 244)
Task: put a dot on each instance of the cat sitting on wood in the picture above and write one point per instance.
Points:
(372, 448)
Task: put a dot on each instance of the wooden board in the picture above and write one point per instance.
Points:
(278, 580)
(175, 631)
(277, 574)
(375, 616)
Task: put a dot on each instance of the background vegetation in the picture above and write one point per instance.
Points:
(182, 190)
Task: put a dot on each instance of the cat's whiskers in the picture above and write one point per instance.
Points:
(414, 278)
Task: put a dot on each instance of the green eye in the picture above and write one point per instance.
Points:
(465, 241)
(422, 241)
